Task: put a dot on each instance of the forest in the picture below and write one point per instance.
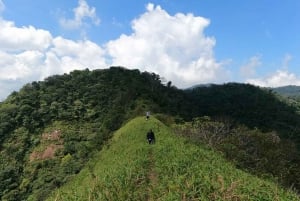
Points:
(50, 129)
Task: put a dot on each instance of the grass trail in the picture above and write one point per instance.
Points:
(152, 176)
(128, 168)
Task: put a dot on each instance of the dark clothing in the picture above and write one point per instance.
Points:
(151, 137)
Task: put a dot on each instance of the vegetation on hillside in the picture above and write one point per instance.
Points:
(250, 106)
(261, 153)
(128, 168)
(82, 109)
(50, 129)
(290, 94)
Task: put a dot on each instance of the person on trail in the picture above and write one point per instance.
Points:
(147, 115)
(151, 137)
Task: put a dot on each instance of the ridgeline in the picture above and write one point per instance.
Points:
(62, 130)
(128, 168)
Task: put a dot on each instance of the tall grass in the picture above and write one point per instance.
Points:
(172, 169)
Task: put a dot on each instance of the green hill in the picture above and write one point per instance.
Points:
(249, 105)
(172, 169)
(51, 129)
(291, 94)
(81, 109)
(288, 91)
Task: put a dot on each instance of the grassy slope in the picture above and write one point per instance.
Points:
(172, 169)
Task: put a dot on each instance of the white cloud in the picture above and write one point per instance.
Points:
(67, 55)
(82, 12)
(31, 54)
(17, 66)
(249, 69)
(173, 46)
(13, 38)
(24, 60)
(279, 78)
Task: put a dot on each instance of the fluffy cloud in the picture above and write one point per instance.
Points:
(28, 54)
(15, 39)
(25, 51)
(67, 55)
(21, 51)
(279, 78)
(173, 46)
(19, 66)
(23, 60)
(83, 11)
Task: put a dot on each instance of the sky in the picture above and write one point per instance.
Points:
(186, 42)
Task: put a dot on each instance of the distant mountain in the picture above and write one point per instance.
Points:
(288, 91)
(246, 104)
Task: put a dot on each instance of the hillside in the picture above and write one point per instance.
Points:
(288, 91)
(290, 94)
(173, 169)
(50, 129)
(81, 109)
(248, 105)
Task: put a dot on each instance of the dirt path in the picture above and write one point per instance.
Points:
(152, 177)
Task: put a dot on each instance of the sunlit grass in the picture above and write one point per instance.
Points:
(130, 169)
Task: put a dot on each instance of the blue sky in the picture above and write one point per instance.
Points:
(186, 42)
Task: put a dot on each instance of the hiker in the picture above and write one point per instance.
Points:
(151, 137)
(147, 115)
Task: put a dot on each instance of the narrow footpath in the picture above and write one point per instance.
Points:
(152, 176)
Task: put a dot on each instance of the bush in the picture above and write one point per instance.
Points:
(261, 153)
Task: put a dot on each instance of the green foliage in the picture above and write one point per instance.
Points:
(172, 169)
(248, 105)
(87, 106)
(252, 150)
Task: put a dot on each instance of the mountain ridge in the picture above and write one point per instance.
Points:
(82, 109)
(288, 91)
(170, 169)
